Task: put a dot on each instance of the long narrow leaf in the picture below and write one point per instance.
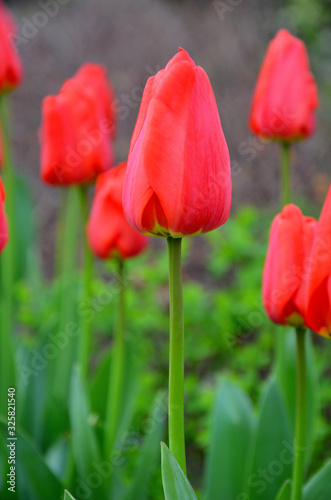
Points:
(273, 452)
(175, 484)
(285, 491)
(149, 457)
(319, 486)
(231, 437)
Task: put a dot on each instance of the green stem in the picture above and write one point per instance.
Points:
(301, 417)
(7, 268)
(65, 359)
(116, 374)
(286, 174)
(85, 339)
(176, 355)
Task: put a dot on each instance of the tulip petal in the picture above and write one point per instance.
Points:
(286, 94)
(283, 266)
(318, 306)
(108, 232)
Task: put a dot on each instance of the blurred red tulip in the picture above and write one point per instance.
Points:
(108, 232)
(11, 71)
(285, 96)
(178, 180)
(77, 129)
(319, 281)
(3, 220)
(286, 267)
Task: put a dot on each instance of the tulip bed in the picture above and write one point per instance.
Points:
(98, 400)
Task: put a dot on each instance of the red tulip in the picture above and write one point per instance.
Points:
(285, 96)
(77, 129)
(108, 232)
(3, 221)
(11, 71)
(178, 180)
(285, 270)
(319, 280)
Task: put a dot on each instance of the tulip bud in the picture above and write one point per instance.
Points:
(108, 232)
(3, 220)
(77, 129)
(286, 268)
(178, 180)
(285, 96)
(11, 71)
(319, 280)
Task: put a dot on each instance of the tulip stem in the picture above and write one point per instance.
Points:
(176, 356)
(301, 417)
(85, 339)
(7, 267)
(65, 359)
(286, 174)
(117, 365)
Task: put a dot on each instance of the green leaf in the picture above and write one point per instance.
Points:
(57, 457)
(33, 477)
(285, 491)
(232, 430)
(100, 389)
(24, 230)
(39, 414)
(273, 452)
(319, 486)
(175, 483)
(84, 442)
(149, 456)
(286, 378)
(68, 496)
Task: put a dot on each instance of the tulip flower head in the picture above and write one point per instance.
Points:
(178, 180)
(3, 220)
(109, 234)
(11, 71)
(319, 281)
(77, 129)
(286, 267)
(285, 96)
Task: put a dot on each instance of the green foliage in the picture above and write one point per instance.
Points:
(230, 442)
(319, 486)
(285, 491)
(175, 483)
(226, 331)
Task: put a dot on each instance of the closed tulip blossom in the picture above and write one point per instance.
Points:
(285, 97)
(286, 267)
(3, 220)
(178, 180)
(78, 128)
(319, 279)
(109, 234)
(178, 183)
(10, 65)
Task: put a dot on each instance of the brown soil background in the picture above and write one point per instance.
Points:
(136, 38)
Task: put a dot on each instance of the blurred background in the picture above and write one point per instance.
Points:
(226, 327)
(134, 40)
